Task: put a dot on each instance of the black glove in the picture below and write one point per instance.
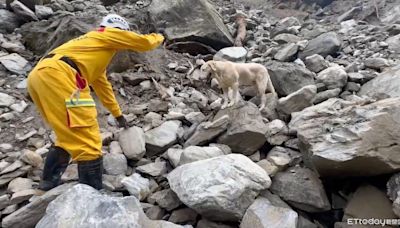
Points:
(122, 122)
(161, 31)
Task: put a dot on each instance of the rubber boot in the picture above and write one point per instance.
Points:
(56, 162)
(91, 173)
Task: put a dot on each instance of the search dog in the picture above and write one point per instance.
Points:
(230, 75)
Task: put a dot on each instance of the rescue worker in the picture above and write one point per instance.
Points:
(59, 87)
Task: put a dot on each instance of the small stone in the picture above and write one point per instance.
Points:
(19, 184)
(6, 147)
(6, 100)
(22, 138)
(154, 169)
(162, 137)
(19, 107)
(269, 167)
(15, 63)
(183, 216)
(14, 166)
(22, 196)
(115, 148)
(333, 77)
(137, 186)
(155, 213)
(10, 209)
(133, 143)
(115, 164)
(174, 156)
(32, 158)
(7, 116)
(316, 63)
(4, 201)
(166, 199)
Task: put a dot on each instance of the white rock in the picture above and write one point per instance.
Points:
(197, 153)
(133, 143)
(137, 186)
(162, 137)
(115, 164)
(220, 188)
(333, 77)
(6, 100)
(15, 63)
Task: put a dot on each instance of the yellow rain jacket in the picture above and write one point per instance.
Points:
(53, 86)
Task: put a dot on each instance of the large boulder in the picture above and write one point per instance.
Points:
(301, 188)
(263, 214)
(68, 210)
(219, 188)
(9, 21)
(289, 77)
(30, 214)
(246, 132)
(43, 36)
(190, 20)
(350, 138)
(387, 83)
(325, 44)
(359, 206)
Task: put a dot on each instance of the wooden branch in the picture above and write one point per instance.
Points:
(241, 29)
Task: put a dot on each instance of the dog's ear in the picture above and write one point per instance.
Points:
(213, 65)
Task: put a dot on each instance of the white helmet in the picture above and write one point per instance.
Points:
(115, 21)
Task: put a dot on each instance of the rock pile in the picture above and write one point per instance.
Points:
(314, 157)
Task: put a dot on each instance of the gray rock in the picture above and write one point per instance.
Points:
(115, 164)
(394, 43)
(305, 223)
(324, 45)
(115, 148)
(333, 77)
(316, 63)
(387, 83)
(270, 168)
(301, 188)
(204, 223)
(4, 201)
(277, 132)
(174, 156)
(183, 216)
(43, 36)
(239, 181)
(9, 21)
(195, 117)
(43, 12)
(396, 206)
(393, 186)
(133, 143)
(286, 25)
(358, 206)
(23, 12)
(19, 184)
(30, 214)
(234, 54)
(352, 87)
(71, 173)
(289, 77)
(10, 209)
(137, 186)
(32, 158)
(283, 157)
(207, 131)
(297, 101)
(376, 63)
(287, 53)
(166, 199)
(246, 132)
(22, 196)
(154, 169)
(160, 138)
(194, 20)
(325, 95)
(339, 138)
(6, 100)
(15, 63)
(102, 211)
(286, 38)
(196, 153)
(262, 214)
(155, 213)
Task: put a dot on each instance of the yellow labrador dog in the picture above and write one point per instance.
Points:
(230, 75)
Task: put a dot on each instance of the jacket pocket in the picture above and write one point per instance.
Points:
(81, 113)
